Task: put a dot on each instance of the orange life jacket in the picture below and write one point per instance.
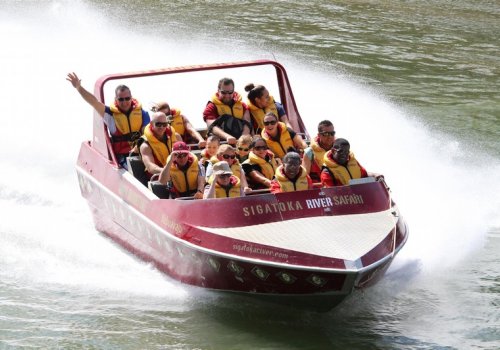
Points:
(279, 146)
(287, 185)
(234, 189)
(342, 174)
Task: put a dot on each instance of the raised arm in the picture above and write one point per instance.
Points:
(200, 187)
(244, 184)
(165, 172)
(87, 96)
(210, 190)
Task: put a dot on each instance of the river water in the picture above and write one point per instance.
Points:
(413, 85)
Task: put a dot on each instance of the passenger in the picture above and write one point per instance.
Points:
(226, 185)
(156, 144)
(187, 177)
(180, 123)
(243, 147)
(260, 103)
(226, 116)
(227, 153)
(125, 118)
(209, 154)
(291, 176)
(340, 166)
(314, 154)
(279, 137)
(260, 165)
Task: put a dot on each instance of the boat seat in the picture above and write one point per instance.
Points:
(161, 191)
(136, 167)
(197, 153)
(261, 191)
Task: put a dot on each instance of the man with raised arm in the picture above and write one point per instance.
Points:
(125, 118)
(225, 184)
(183, 173)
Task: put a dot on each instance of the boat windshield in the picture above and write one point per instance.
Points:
(190, 91)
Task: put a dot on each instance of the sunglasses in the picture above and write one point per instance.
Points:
(327, 133)
(121, 99)
(224, 176)
(224, 92)
(181, 155)
(227, 156)
(161, 125)
(243, 149)
(260, 148)
(272, 122)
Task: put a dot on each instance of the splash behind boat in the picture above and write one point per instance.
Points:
(308, 248)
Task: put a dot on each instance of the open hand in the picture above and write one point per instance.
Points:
(74, 80)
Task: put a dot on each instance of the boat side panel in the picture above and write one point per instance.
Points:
(266, 208)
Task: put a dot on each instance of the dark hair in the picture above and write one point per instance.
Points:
(254, 91)
(291, 155)
(225, 81)
(324, 123)
(255, 140)
(213, 138)
(269, 114)
(120, 88)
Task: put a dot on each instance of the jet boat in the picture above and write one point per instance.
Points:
(307, 248)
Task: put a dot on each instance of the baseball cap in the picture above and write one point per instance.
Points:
(180, 147)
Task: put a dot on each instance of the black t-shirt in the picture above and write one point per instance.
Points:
(248, 168)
